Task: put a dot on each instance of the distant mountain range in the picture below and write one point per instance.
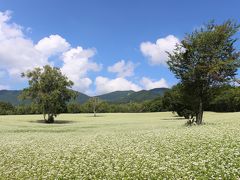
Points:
(132, 96)
(11, 96)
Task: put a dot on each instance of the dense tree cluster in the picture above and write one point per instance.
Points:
(6, 108)
(227, 100)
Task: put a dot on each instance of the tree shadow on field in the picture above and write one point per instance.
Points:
(55, 122)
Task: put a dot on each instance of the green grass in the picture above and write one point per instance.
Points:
(120, 146)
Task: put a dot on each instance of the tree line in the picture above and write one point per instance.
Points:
(225, 99)
(87, 107)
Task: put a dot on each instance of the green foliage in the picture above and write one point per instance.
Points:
(6, 108)
(175, 101)
(94, 103)
(228, 100)
(155, 105)
(225, 99)
(27, 109)
(106, 107)
(49, 89)
(74, 108)
(205, 59)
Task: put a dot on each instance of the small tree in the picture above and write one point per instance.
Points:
(95, 103)
(49, 89)
(205, 58)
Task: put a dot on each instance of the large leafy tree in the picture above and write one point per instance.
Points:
(205, 59)
(49, 89)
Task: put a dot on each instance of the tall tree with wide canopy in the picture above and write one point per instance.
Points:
(205, 58)
(49, 89)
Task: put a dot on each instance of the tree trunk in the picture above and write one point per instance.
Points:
(94, 106)
(199, 114)
(50, 119)
(44, 116)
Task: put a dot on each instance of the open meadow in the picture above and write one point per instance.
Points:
(120, 146)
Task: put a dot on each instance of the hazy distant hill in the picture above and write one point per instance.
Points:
(81, 98)
(131, 96)
(114, 97)
(10, 96)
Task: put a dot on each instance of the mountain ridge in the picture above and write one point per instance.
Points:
(11, 96)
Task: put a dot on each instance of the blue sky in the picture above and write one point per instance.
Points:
(101, 45)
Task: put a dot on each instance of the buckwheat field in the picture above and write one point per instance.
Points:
(120, 146)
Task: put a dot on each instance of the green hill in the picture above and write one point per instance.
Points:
(81, 98)
(159, 91)
(132, 96)
(116, 96)
(11, 96)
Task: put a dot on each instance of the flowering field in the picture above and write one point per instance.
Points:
(120, 146)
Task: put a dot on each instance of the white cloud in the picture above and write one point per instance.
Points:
(76, 64)
(149, 84)
(8, 30)
(156, 52)
(122, 68)
(52, 45)
(82, 84)
(17, 53)
(106, 85)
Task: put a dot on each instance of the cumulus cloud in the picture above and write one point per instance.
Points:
(8, 30)
(156, 52)
(76, 64)
(106, 85)
(122, 68)
(52, 45)
(82, 84)
(17, 53)
(150, 84)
